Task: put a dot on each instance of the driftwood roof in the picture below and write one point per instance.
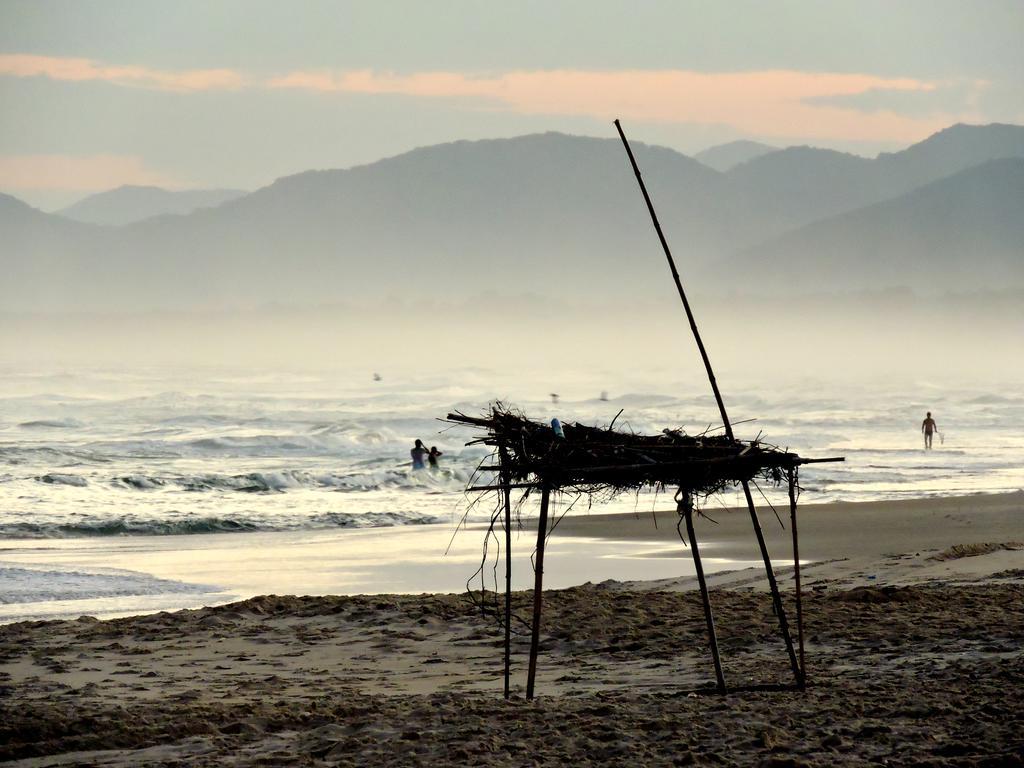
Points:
(591, 459)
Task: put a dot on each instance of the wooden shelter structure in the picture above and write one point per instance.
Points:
(591, 460)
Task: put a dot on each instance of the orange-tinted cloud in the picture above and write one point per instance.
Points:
(78, 70)
(83, 173)
(767, 103)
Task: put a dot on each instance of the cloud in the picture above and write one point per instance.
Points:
(958, 97)
(766, 103)
(83, 173)
(80, 70)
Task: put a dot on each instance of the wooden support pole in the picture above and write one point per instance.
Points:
(679, 285)
(773, 584)
(718, 399)
(538, 590)
(508, 579)
(687, 509)
(791, 477)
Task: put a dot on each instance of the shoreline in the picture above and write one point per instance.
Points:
(921, 663)
(849, 543)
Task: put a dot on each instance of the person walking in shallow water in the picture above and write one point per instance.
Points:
(928, 426)
(419, 455)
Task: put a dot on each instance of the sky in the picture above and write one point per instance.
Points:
(237, 93)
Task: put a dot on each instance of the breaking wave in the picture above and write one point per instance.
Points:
(185, 526)
(56, 478)
(33, 585)
(279, 482)
(51, 424)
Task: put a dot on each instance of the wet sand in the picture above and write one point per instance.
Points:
(921, 665)
(843, 544)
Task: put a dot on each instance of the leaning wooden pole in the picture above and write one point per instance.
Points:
(506, 479)
(538, 590)
(773, 585)
(679, 285)
(687, 510)
(791, 478)
(776, 598)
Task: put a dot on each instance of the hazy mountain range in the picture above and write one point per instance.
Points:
(128, 204)
(725, 157)
(965, 231)
(553, 215)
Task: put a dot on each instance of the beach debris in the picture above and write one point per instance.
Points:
(601, 463)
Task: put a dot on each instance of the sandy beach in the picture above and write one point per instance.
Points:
(914, 615)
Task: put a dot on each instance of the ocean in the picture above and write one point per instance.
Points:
(153, 489)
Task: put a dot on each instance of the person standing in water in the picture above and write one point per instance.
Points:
(928, 426)
(432, 456)
(419, 455)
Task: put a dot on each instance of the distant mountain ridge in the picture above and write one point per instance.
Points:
(725, 157)
(128, 204)
(968, 227)
(784, 190)
(955, 149)
(548, 214)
